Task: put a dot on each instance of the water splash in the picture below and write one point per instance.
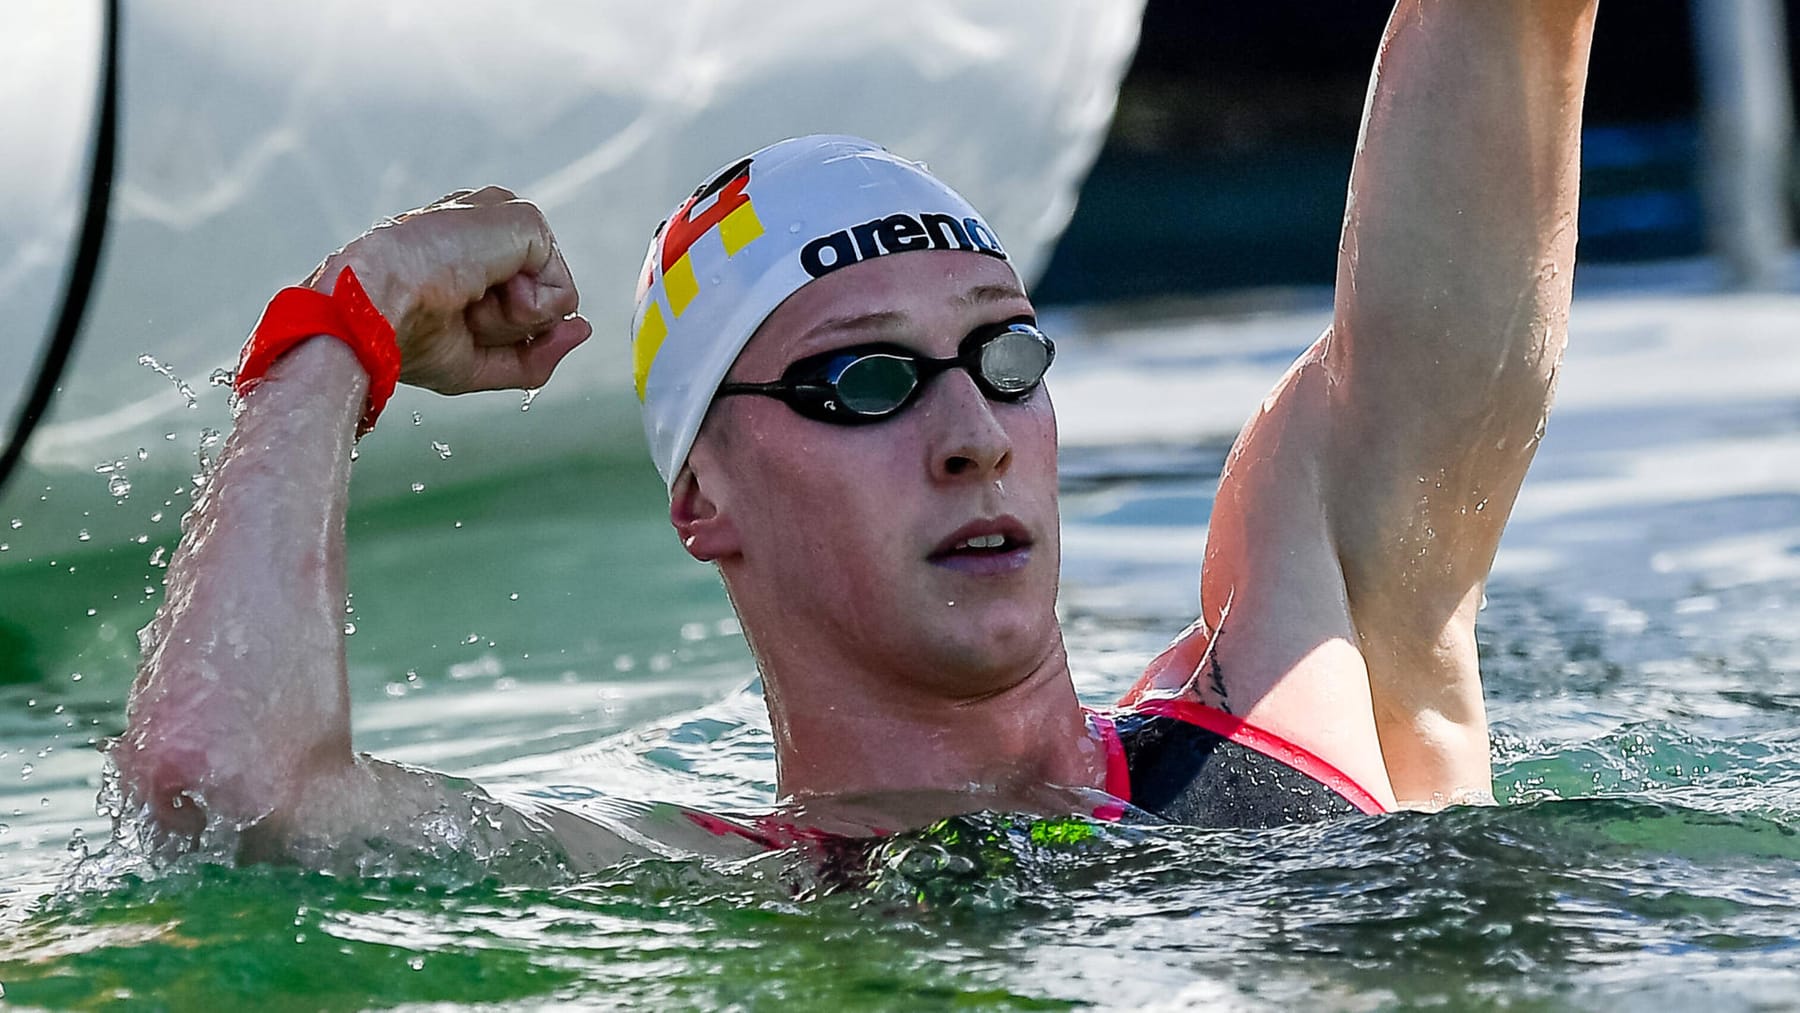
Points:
(209, 438)
(167, 373)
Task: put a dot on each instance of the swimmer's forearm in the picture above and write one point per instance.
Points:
(1459, 236)
(242, 697)
(1452, 296)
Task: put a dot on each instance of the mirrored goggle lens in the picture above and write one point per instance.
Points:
(1013, 362)
(876, 384)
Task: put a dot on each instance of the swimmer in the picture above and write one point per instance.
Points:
(854, 426)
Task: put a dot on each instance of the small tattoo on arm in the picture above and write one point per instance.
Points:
(1215, 675)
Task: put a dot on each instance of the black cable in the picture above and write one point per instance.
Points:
(87, 251)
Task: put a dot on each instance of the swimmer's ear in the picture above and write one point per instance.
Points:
(706, 532)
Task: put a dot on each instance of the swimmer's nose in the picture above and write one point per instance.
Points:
(968, 440)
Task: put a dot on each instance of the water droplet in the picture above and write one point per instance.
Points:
(181, 386)
(160, 556)
(472, 638)
(443, 450)
(168, 436)
(693, 631)
(530, 396)
(83, 536)
(221, 378)
(1479, 507)
(17, 524)
(418, 420)
(349, 629)
(458, 524)
(418, 487)
(141, 539)
(74, 676)
(93, 612)
(794, 227)
(4, 547)
(156, 518)
(142, 454)
(25, 772)
(119, 486)
(513, 597)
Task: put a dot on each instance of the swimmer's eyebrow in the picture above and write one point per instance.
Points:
(888, 321)
(990, 293)
(879, 321)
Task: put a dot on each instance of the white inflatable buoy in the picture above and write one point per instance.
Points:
(253, 138)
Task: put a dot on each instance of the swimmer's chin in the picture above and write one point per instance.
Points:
(1441, 800)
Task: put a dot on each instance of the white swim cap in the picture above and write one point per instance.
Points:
(747, 239)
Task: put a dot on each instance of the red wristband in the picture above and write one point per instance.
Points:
(296, 314)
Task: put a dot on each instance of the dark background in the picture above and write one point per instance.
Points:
(1228, 159)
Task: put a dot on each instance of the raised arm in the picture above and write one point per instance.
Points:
(1452, 312)
(1361, 508)
(240, 715)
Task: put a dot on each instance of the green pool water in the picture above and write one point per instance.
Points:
(540, 626)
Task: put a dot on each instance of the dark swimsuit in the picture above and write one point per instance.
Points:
(1191, 764)
(1179, 760)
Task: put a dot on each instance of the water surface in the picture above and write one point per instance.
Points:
(541, 626)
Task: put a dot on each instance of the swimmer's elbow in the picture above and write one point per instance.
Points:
(181, 794)
(162, 789)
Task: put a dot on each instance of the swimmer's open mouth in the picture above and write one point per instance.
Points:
(997, 537)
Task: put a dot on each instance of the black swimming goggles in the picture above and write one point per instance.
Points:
(868, 383)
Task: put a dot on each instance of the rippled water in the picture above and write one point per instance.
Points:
(1639, 643)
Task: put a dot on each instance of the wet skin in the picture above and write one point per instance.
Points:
(1355, 523)
(845, 548)
(854, 527)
